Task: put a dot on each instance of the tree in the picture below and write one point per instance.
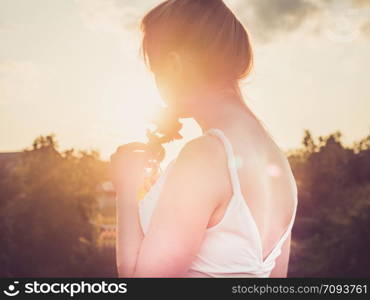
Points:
(48, 204)
(331, 233)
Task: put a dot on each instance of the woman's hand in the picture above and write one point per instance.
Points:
(128, 165)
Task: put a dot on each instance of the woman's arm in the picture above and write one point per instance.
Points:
(127, 173)
(282, 261)
(188, 198)
(128, 233)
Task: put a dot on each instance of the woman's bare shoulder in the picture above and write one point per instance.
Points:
(199, 153)
(203, 159)
(203, 145)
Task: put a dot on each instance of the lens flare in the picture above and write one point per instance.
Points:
(273, 170)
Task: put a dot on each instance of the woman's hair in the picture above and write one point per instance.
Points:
(205, 30)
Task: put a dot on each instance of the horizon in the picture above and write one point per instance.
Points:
(73, 68)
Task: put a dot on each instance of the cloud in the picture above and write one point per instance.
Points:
(272, 17)
(361, 3)
(350, 18)
(268, 17)
(106, 15)
(364, 6)
(339, 20)
(265, 19)
(113, 16)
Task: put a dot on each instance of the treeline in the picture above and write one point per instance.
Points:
(48, 203)
(331, 236)
(47, 210)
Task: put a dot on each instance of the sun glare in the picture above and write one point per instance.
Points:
(131, 100)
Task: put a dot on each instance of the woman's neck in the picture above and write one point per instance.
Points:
(217, 108)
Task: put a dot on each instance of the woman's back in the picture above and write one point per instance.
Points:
(266, 180)
(246, 232)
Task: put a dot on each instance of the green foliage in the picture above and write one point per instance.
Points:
(48, 204)
(331, 234)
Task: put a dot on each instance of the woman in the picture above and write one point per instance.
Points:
(226, 205)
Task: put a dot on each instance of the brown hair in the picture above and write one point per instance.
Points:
(207, 30)
(208, 33)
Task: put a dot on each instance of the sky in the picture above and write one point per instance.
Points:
(73, 68)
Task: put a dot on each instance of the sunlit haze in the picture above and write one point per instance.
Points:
(73, 68)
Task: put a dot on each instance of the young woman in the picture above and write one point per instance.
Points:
(226, 205)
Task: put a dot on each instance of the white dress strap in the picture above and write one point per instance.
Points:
(232, 165)
(231, 159)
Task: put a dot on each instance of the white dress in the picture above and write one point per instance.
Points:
(232, 247)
